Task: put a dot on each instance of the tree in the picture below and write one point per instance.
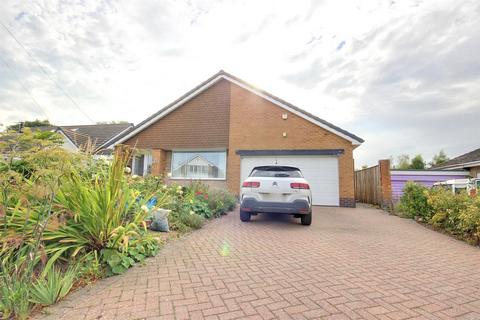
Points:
(417, 162)
(403, 162)
(29, 124)
(439, 158)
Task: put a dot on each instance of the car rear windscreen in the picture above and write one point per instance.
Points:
(276, 173)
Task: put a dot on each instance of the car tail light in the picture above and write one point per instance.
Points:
(251, 184)
(299, 185)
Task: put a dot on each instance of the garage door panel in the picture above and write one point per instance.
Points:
(320, 171)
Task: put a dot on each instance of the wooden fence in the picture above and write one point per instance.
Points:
(373, 185)
(368, 186)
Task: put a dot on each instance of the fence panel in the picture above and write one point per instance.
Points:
(368, 188)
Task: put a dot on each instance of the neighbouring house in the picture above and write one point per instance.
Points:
(221, 129)
(94, 139)
(469, 161)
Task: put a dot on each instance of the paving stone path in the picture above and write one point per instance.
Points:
(349, 264)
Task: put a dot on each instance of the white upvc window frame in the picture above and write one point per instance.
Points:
(147, 161)
(172, 177)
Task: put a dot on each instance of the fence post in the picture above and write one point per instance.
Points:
(386, 184)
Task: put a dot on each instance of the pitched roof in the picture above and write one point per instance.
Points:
(229, 77)
(462, 160)
(97, 134)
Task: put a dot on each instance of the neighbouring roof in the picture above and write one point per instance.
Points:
(465, 160)
(97, 134)
(231, 78)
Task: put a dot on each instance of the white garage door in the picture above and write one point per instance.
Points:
(320, 171)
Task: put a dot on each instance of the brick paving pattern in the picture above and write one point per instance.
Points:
(350, 264)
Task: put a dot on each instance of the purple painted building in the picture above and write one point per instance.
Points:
(426, 177)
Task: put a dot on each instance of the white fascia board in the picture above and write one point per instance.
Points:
(461, 165)
(256, 92)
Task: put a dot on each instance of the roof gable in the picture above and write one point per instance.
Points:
(355, 140)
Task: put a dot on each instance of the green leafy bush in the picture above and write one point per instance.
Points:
(90, 267)
(469, 219)
(414, 201)
(456, 213)
(148, 185)
(446, 207)
(119, 261)
(199, 207)
(221, 202)
(193, 221)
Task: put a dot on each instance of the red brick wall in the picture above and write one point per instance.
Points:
(256, 123)
(228, 116)
(201, 122)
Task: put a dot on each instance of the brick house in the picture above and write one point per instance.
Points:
(220, 130)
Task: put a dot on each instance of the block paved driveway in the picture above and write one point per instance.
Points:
(350, 264)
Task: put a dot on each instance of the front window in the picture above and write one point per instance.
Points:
(199, 164)
(142, 164)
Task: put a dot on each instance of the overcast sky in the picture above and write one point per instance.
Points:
(404, 74)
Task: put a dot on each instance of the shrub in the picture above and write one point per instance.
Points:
(220, 202)
(446, 207)
(193, 221)
(414, 201)
(53, 286)
(458, 214)
(148, 185)
(469, 219)
(199, 207)
(119, 261)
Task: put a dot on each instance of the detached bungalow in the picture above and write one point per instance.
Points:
(220, 130)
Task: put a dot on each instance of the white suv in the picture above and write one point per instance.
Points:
(276, 189)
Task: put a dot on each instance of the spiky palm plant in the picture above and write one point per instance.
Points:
(103, 211)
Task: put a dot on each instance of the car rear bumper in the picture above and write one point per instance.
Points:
(296, 207)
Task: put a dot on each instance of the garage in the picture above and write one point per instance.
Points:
(321, 171)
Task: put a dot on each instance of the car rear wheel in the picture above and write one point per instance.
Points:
(306, 219)
(244, 216)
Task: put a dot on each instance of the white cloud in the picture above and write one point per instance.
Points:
(392, 72)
